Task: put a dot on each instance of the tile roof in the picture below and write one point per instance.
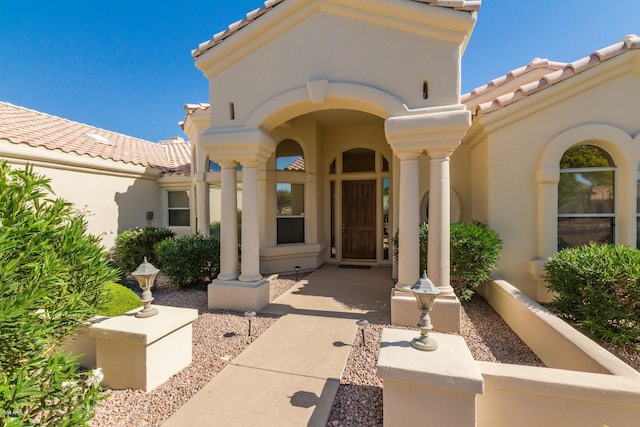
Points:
(19, 125)
(296, 165)
(464, 5)
(178, 153)
(192, 108)
(538, 75)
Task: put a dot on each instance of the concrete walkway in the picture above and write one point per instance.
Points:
(290, 374)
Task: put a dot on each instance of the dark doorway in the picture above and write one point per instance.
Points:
(359, 220)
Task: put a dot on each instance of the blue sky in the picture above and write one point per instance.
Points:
(126, 66)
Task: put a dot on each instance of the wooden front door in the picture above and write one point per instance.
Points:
(359, 219)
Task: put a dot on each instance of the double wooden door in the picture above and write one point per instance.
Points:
(359, 220)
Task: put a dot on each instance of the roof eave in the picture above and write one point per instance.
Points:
(442, 23)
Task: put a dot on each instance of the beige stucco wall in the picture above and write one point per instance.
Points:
(360, 48)
(515, 154)
(265, 78)
(582, 383)
(114, 195)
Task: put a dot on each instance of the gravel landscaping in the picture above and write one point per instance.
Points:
(219, 336)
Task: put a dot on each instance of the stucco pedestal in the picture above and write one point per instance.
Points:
(237, 295)
(436, 388)
(83, 345)
(445, 314)
(142, 353)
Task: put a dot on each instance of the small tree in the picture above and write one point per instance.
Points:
(51, 277)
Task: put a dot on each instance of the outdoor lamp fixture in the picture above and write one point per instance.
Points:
(145, 274)
(425, 292)
(250, 315)
(362, 324)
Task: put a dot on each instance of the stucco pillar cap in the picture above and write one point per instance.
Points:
(245, 146)
(432, 132)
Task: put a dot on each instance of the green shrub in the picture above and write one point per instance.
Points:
(51, 276)
(190, 261)
(119, 300)
(474, 252)
(598, 287)
(132, 246)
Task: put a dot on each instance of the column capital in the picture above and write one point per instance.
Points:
(250, 163)
(434, 132)
(240, 145)
(408, 155)
(228, 164)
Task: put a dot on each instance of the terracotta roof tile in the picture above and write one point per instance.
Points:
(533, 71)
(523, 82)
(464, 5)
(20, 125)
(296, 165)
(192, 108)
(179, 154)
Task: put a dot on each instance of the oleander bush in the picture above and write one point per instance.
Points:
(132, 246)
(598, 288)
(190, 261)
(119, 299)
(474, 251)
(51, 277)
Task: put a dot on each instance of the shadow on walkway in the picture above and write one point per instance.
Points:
(346, 293)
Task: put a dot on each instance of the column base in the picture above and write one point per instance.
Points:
(238, 296)
(227, 277)
(250, 277)
(445, 314)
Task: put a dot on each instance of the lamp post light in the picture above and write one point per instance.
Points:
(250, 315)
(362, 324)
(145, 274)
(425, 292)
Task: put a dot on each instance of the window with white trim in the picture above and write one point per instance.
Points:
(290, 216)
(178, 207)
(586, 197)
(290, 203)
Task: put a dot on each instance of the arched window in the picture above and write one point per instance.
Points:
(289, 156)
(586, 191)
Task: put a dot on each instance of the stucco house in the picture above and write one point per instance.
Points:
(374, 109)
(119, 181)
(343, 122)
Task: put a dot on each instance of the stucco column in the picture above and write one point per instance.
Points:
(202, 204)
(438, 259)
(409, 238)
(437, 132)
(228, 223)
(250, 260)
